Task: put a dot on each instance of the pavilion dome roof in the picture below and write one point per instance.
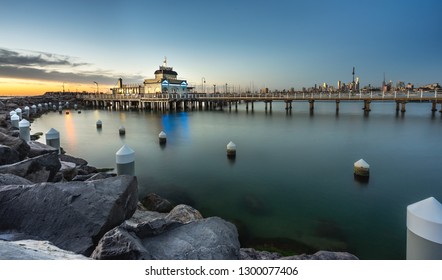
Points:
(166, 71)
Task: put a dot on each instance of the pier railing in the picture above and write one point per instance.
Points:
(296, 96)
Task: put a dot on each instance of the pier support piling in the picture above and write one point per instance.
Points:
(403, 107)
(367, 105)
(312, 104)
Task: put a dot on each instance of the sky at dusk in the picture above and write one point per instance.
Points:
(47, 45)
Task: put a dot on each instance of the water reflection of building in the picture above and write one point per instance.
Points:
(165, 81)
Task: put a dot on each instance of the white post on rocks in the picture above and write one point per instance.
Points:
(424, 230)
(15, 119)
(18, 111)
(125, 160)
(53, 139)
(25, 132)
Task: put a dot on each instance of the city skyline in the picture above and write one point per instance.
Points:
(88, 45)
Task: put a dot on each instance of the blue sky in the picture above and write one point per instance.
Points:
(274, 44)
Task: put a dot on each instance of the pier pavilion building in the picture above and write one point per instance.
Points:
(165, 82)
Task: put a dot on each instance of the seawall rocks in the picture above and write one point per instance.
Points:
(73, 215)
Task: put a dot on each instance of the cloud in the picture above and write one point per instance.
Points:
(53, 67)
(9, 57)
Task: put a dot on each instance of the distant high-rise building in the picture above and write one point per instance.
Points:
(353, 73)
(339, 85)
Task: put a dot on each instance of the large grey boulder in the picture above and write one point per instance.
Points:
(207, 239)
(16, 144)
(11, 179)
(37, 149)
(37, 169)
(184, 214)
(148, 223)
(76, 160)
(35, 250)
(152, 235)
(68, 169)
(154, 202)
(8, 155)
(119, 244)
(74, 215)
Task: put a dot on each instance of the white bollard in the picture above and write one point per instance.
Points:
(15, 120)
(12, 113)
(26, 111)
(45, 106)
(54, 107)
(122, 130)
(34, 109)
(40, 107)
(424, 230)
(18, 111)
(99, 124)
(162, 137)
(231, 150)
(125, 160)
(53, 139)
(362, 168)
(25, 131)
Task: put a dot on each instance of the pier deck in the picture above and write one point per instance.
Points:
(211, 101)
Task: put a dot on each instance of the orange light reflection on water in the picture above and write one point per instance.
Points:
(71, 137)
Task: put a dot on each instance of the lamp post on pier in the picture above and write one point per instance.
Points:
(203, 84)
(97, 86)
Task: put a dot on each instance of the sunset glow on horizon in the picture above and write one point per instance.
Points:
(21, 87)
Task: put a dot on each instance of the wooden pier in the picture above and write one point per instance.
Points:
(176, 102)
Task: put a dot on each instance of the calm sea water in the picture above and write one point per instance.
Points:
(291, 187)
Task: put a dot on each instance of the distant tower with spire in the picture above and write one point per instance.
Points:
(353, 73)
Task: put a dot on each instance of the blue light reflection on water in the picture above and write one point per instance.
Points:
(292, 177)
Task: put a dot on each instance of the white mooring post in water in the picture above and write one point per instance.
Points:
(14, 120)
(125, 159)
(33, 109)
(53, 139)
(362, 168)
(25, 132)
(424, 230)
(162, 137)
(231, 150)
(99, 124)
(122, 130)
